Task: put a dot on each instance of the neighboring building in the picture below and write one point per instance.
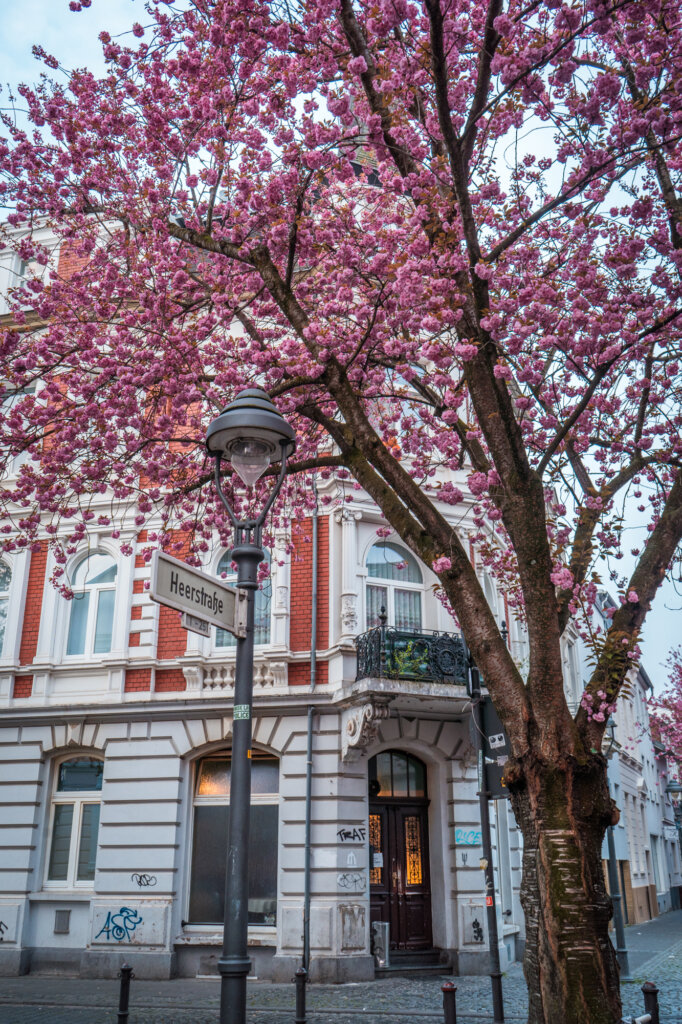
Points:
(646, 839)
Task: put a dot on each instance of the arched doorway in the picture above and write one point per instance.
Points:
(400, 884)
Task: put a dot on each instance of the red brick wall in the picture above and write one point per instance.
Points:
(23, 686)
(138, 679)
(69, 262)
(170, 679)
(301, 587)
(299, 674)
(34, 605)
(172, 640)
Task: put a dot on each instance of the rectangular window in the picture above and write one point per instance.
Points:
(87, 848)
(78, 624)
(3, 621)
(105, 621)
(61, 843)
(377, 598)
(408, 610)
(207, 887)
(75, 823)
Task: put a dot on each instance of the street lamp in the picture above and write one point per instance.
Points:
(614, 881)
(251, 434)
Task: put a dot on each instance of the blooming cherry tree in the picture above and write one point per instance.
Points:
(665, 711)
(447, 238)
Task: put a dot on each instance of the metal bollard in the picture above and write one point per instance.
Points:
(650, 993)
(449, 990)
(300, 982)
(125, 974)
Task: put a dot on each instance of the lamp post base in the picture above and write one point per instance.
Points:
(233, 973)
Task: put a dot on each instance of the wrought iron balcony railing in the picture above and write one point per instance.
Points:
(426, 655)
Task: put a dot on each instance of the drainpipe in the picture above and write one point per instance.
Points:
(305, 961)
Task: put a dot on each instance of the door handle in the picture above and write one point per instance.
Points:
(394, 873)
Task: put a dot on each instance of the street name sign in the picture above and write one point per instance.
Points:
(199, 596)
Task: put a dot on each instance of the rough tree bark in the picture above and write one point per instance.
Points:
(563, 809)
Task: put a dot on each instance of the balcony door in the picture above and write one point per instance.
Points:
(400, 887)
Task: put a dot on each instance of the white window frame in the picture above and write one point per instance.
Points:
(392, 585)
(79, 799)
(6, 403)
(231, 581)
(4, 600)
(94, 590)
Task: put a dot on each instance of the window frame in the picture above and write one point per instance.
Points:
(5, 600)
(262, 799)
(79, 799)
(391, 586)
(94, 590)
(230, 579)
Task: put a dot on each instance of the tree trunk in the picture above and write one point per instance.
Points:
(570, 964)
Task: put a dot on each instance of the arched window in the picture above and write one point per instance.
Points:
(209, 843)
(262, 607)
(74, 822)
(5, 580)
(394, 581)
(92, 609)
(394, 774)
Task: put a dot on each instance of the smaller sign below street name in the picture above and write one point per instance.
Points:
(241, 711)
(195, 624)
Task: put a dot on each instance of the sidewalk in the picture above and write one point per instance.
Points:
(655, 952)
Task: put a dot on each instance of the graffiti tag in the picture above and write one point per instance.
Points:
(352, 881)
(351, 835)
(120, 926)
(142, 880)
(477, 930)
(3, 929)
(467, 837)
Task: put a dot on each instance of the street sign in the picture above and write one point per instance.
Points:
(178, 585)
(195, 625)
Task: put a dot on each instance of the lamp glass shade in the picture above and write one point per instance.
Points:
(250, 458)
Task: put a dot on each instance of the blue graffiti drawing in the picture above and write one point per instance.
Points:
(120, 926)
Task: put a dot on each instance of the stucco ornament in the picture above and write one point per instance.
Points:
(360, 728)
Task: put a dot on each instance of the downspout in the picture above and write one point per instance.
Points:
(309, 748)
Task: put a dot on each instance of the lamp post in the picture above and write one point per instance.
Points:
(250, 433)
(486, 843)
(614, 881)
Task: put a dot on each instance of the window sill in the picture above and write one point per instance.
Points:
(207, 935)
(61, 896)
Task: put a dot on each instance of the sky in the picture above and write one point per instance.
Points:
(72, 39)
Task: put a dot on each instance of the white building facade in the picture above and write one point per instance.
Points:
(115, 767)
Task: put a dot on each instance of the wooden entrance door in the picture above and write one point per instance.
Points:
(400, 889)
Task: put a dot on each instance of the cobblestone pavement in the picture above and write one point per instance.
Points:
(34, 999)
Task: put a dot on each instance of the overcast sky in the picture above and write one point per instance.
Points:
(72, 39)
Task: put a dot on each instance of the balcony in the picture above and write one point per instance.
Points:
(425, 656)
